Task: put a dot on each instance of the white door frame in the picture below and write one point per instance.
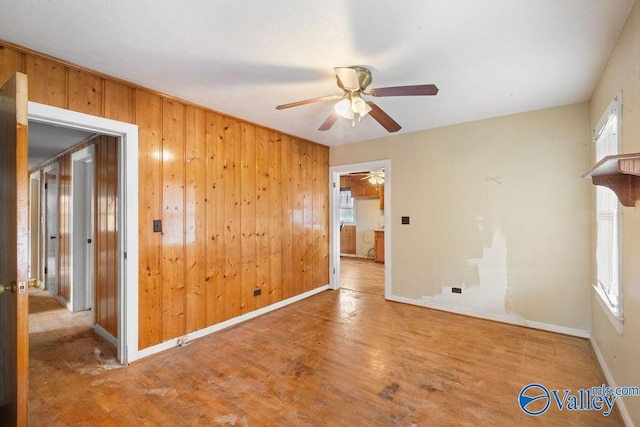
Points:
(82, 191)
(334, 214)
(46, 235)
(127, 206)
(35, 236)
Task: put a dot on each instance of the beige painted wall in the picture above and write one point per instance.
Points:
(497, 208)
(368, 218)
(621, 353)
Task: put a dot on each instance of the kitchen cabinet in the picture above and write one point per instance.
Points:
(348, 239)
(379, 245)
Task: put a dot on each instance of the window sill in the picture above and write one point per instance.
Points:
(612, 313)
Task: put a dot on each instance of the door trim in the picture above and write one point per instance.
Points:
(45, 234)
(334, 214)
(85, 155)
(127, 205)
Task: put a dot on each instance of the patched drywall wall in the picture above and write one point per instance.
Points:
(498, 208)
(489, 294)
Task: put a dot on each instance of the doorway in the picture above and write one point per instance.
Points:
(127, 206)
(383, 250)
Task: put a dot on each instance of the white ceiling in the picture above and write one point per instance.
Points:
(488, 57)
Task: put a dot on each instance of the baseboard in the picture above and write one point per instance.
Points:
(354, 256)
(175, 342)
(105, 335)
(626, 418)
(494, 317)
(64, 302)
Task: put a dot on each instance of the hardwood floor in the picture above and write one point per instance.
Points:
(338, 358)
(362, 274)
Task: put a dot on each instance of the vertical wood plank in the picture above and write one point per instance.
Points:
(85, 93)
(47, 81)
(320, 215)
(215, 223)
(263, 188)
(11, 61)
(287, 216)
(118, 101)
(148, 113)
(232, 215)
(307, 215)
(298, 217)
(100, 236)
(248, 216)
(276, 223)
(106, 233)
(173, 266)
(64, 254)
(195, 220)
(112, 230)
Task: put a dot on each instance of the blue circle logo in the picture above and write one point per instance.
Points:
(534, 399)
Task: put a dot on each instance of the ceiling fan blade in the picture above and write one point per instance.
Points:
(405, 90)
(348, 77)
(309, 101)
(329, 121)
(383, 118)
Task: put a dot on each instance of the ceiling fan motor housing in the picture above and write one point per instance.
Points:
(363, 77)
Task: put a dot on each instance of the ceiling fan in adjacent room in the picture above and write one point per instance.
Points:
(354, 81)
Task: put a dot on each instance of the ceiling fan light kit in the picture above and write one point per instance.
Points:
(354, 81)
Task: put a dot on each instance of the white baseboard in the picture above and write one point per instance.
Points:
(495, 317)
(105, 335)
(612, 383)
(175, 342)
(63, 301)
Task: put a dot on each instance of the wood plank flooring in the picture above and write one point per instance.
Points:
(339, 358)
(362, 274)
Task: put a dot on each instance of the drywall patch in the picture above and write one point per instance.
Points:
(489, 295)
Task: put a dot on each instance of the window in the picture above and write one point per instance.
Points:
(607, 139)
(347, 207)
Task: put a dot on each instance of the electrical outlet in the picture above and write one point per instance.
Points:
(405, 220)
(257, 292)
(456, 290)
(157, 226)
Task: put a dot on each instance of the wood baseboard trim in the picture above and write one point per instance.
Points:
(495, 317)
(179, 341)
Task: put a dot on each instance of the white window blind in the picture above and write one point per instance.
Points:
(347, 207)
(608, 212)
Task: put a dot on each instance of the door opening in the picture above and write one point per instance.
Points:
(380, 245)
(126, 241)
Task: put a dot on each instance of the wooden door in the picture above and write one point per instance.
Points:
(14, 303)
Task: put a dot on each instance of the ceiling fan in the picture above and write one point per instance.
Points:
(354, 81)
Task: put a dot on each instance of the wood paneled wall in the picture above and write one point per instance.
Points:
(244, 209)
(106, 233)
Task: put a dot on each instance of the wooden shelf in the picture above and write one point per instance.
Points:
(620, 173)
